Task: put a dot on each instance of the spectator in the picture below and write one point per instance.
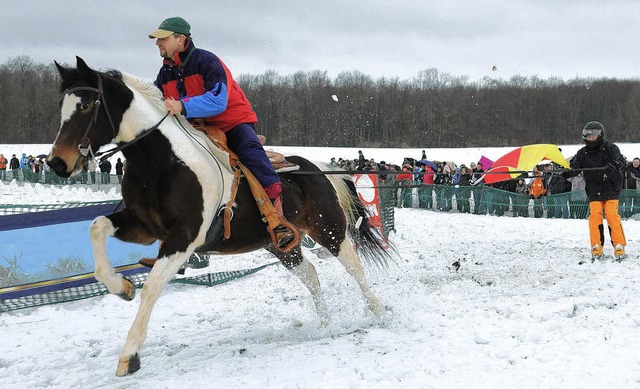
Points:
(405, 180)
(603, 164)
(93, 166)
(476, 190)
(463, 191)
(521, 200)
(425, 193)
(630, 197)
(105, 170)
(25, 167)
(3, 167)
(578, 204)
(348, 165)
(361, 160)
(537, 189)
(383, 168)
(332, 163)
(14, 165)
(84, 174)
(557, 196)
(424, 155)
(499, 203)
(442, 181)
(120, 169)
(417, 171)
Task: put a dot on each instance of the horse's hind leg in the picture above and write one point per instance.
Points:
(306, 272)
(351, 261)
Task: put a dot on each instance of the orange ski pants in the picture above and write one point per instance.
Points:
(596, 229)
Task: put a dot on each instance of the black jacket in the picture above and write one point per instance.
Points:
(557, 185)
(600, 184)
(14, 163)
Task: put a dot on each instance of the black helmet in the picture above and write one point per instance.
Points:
(593, 128)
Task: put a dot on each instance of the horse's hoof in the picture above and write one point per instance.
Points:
(378, 310)
(128, 366)
(128, 290)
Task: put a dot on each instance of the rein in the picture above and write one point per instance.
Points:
(109, 153)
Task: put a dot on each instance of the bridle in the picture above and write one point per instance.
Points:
(85, 143)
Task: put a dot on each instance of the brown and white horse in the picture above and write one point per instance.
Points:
(175, 186)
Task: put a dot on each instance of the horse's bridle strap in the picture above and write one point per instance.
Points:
(85, 143)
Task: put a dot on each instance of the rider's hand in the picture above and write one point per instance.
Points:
(174, 107)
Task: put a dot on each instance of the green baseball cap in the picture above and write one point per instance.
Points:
(171, 25)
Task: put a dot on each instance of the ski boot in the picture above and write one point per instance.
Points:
(618, 252)
(596, 254)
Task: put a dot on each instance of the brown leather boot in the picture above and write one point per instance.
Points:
(284, 236)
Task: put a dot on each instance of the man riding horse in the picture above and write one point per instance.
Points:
(198, 85)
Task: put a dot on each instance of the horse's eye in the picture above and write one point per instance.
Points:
(84, 106)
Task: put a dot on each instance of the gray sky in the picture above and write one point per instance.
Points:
(388, 38)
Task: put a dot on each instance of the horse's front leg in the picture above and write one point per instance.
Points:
(163, 270)
(122, 226)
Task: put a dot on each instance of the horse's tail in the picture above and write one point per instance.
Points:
(368, 242)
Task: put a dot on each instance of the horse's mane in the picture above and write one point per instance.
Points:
(154, 95)
(147, 89)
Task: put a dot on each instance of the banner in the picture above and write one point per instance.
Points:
(367, 188)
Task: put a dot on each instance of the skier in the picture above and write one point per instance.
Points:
(603, 188)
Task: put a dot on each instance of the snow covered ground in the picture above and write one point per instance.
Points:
(518, 312)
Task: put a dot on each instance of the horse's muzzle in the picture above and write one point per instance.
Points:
(59, 166)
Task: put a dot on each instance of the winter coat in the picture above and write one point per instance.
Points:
(601, 184)
(557, 185)
(477, 175)
(119, 167)
(522, 188)
(105, 166)
(442, 179)
(428, 176)
(465, 179)
(537, 187)
(206, 88)
(577, 188)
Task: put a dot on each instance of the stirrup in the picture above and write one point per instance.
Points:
(283, 236)
(285, 242)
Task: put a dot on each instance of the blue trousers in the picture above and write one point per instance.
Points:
(243, 141)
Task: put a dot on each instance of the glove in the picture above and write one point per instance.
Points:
(610, 168)
(566, 174)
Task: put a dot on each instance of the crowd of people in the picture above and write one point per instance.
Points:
(29, 168)
(543, 190)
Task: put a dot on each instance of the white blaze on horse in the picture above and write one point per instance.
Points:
(175, 186)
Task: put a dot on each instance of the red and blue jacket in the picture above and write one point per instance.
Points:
(206, 88)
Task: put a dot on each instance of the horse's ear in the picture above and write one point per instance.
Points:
(61, 69)
(82, 66)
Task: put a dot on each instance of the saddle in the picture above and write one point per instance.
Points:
(219, 139)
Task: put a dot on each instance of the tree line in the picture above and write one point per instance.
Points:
(433, 109)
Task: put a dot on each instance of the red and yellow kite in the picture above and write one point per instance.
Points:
(524, 158)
